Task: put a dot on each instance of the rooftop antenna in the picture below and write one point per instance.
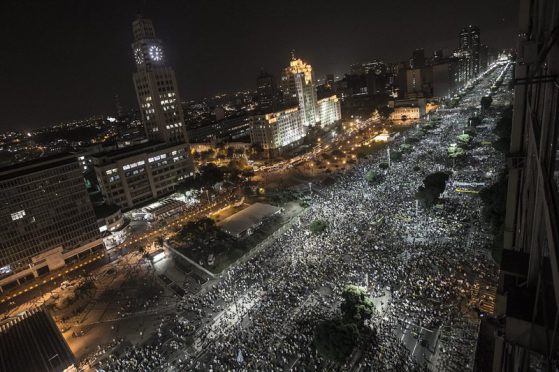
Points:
(293, 54)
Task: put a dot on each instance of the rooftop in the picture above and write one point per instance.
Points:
(32, 342)
(143, 148)
(36, 165)
(248, 218)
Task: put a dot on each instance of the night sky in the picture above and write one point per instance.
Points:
(66, 59)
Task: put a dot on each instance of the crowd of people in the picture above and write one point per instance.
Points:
(261, 314)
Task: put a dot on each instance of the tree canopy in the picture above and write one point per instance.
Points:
(456, 152)
(433, 186)
(486, 102)
(356, 306)
(317, 226)
(371, 176)
(385, 111)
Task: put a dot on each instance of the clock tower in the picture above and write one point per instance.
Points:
(156, 86)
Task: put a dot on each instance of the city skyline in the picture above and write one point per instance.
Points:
(279, 186)
(96, 42)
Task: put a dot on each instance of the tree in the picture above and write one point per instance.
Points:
(437, 181)
(464, 139)
(335, 340)
(371, 176)
(486, 102)
(357, 306)
(197, 230)
(474, 121)
(406, 147)
(456, 152)
(317, 226)
(395, 155)
(433, 186)
(383, 166)
(211, 174)
(385, 111)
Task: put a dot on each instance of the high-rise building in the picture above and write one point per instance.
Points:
(136, 174)
(278, 130)
(445, 77)
(469, 44)
(298, 83)
(483, 57)
(438, 55)
(418, 58)
(376, 66)
(266, 90)
(528, 295)
(156, 87)
(419, 82)
(47, 217)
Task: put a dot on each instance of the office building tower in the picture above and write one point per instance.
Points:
(135, 175)
(469, 44)
(47, 218)
(156, 87)
(445, 77)
(483, 57)
(278, 130)
(419, 82)
(376, 66)
(266, 90)
(298, 84)
(528, 295)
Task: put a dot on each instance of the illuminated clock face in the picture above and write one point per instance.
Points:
(138, 56)
(155, 53)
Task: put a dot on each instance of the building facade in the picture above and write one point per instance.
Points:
(156, 87)
(469, 46)
(298, 85)
(445, 77)
(134, 176)
(528, 294)
(329, 110)
(233, 128)
(47, 218)
(266, 94)
(419, 82)
(278, 130)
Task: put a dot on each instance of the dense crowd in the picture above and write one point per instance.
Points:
(424, 263)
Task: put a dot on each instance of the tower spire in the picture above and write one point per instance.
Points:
(293, 54)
